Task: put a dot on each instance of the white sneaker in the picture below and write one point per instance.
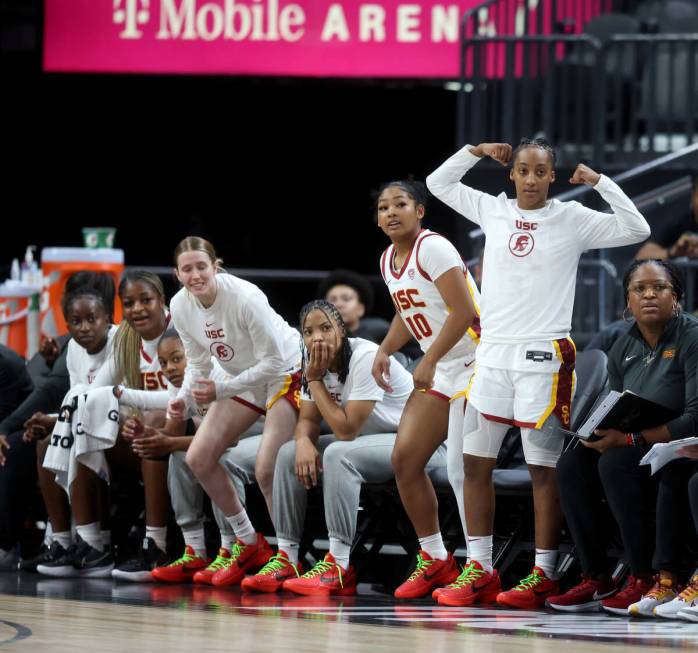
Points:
(689, 614)
(9, 560)
(663, 591)
(687, 599)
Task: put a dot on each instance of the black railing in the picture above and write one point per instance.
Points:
(612, 104)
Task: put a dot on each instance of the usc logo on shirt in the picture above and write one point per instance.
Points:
(406, 298)
(153, 381)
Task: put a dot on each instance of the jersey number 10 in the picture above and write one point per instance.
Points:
(419, 326)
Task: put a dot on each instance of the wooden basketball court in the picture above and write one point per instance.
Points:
(40, 614)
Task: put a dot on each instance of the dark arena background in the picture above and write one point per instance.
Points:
(147, 116)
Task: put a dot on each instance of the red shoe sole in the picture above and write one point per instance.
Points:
(314, 591)
(485, 598)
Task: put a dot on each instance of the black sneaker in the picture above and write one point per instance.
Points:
(137, 570)
(80, 560)
(47, 553)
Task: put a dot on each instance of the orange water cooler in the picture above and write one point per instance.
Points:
(57, 264)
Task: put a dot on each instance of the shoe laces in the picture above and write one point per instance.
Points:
(587, 583)
(237, 550)
(188, 556)
(690, 592)
(322, 567)
(218, 563)
(422, 566)
(276, 563)
(660, 588)
(533, 579)
(468, 576)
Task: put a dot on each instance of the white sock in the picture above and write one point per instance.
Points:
(289, 548)
(106, 539)
(64, 538)
(90, 533)
(195, 539)
(242, 526)
(340, 552)
(227, 541)
(158, 534)
(546, 559)
(480, 549)
(434, 546)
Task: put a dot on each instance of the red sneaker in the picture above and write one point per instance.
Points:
(324, 579)
(271, 577)
(181, 570)
(428, 574)
(531, 592)
(242, 557)
(584, 597)
(474, 585)
(633, 590)
(204, 576)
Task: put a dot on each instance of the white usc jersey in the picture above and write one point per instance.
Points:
(531, 257)
(417, 299)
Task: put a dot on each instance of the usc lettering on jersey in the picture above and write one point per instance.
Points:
(417, 299)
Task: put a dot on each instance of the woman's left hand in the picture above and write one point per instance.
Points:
(153, 444)
(610, 439)
(204, 391)
(320, 358)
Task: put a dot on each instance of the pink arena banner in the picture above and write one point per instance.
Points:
(351, 38)
(316, 38)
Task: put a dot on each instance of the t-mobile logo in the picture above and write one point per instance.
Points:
(131, 14)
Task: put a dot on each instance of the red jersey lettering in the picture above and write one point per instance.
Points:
(406, 298)
(153, 381)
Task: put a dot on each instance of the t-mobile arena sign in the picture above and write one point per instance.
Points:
(350, 38)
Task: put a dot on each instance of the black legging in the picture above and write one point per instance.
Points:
(17, 488)
(634, 497)
(585, 478)
(693, 497)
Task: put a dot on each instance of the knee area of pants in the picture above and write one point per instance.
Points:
(693, 486)
(611, 463)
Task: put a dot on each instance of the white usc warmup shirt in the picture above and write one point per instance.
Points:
(251, 342)
(531, 257)
(417, 299)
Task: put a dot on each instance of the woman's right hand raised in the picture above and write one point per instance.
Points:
(500, 152)
(177, 409)
(381, 371)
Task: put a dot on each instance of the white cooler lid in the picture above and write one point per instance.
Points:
(81, 255)
(18, 289)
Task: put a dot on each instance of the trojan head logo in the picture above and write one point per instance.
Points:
(131, 14)
(521, 244)
(410, 274)
(222, 351)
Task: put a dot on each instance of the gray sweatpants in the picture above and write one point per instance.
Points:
(346, 466)
(187, 495)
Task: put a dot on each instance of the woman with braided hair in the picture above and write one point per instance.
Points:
(338, 387)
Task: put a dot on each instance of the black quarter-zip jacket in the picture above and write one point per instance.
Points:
(667, 375)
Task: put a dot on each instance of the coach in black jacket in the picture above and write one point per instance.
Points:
(657, 359)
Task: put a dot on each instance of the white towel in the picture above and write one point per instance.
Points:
(88, 424)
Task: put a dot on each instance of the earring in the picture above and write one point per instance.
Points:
(627, 318)
(675, 309)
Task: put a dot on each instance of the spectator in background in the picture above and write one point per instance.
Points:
(352, 294)
(15, 382)
(675, 237)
